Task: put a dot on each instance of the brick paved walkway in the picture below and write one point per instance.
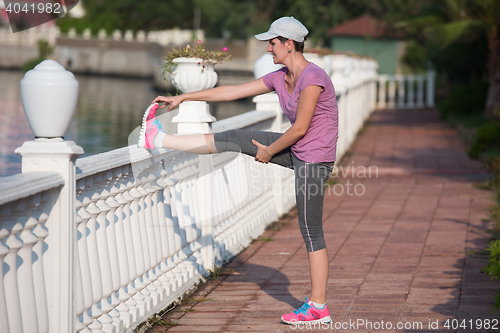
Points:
(409, 249)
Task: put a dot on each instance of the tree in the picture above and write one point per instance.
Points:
(133, 15)
(453, 21)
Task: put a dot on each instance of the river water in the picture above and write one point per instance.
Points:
(108, 110)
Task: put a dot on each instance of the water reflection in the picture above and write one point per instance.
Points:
(108, 110)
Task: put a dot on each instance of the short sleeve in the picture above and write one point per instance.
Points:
(314, 77)
(271, 79)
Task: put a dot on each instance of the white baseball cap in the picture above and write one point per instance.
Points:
(288, 27)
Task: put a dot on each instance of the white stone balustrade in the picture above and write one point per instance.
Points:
(406, 91)
(31, 36)
(111, 239)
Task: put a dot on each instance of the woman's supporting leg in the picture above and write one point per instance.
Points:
(310, 181)
(318, 268)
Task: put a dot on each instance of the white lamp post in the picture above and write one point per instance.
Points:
(49, 94)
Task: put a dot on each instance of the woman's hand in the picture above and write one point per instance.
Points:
(171, 101)
(263, 154)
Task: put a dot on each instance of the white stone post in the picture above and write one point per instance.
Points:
(270, 102)
(55, 90)
(194, 118)
(60, 257)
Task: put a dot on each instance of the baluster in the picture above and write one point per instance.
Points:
(169, 236)
(102, 250)
(411, 91)
(111, 218)
(144, 218)
(121, 245)
(420, 91)
(40, 296)
(382, 79)
(430, 88)
(83, 217)
(93, 254)
(142, 297)
(392, 92)
(10, 276)
(185, 223)
(80, 299)
(401, 91)
(135, 296)
(162, 231)
(178, 239)
(24, 271)
(190, 249)
(4, 317)
(149, 240)
(155, 233)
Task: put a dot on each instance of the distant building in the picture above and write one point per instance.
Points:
(370, 37)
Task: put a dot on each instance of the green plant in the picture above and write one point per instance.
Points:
(266, 239)
(492, 268)
(465, 100)
(199, 51)
(44, 51)
(321, 51)
(487, 139)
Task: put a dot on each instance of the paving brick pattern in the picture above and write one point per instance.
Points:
(405, 243)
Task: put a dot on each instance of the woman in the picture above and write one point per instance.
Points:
(307, 98)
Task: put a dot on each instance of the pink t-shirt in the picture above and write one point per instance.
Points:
(319, 144)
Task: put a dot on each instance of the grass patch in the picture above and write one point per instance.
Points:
(332, 181)
(266, 239)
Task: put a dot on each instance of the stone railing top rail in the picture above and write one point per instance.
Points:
(91, 165)
(29, 183)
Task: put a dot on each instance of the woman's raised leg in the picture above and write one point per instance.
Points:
(193, 143)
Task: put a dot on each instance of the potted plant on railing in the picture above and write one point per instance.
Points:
(192, 68)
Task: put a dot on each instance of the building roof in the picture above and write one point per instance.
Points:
(362, 26)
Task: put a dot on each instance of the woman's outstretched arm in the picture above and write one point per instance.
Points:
(218, 94)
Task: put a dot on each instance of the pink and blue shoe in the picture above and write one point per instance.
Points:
(307, 313)
(152, 134)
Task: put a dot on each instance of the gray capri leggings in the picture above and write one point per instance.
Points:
(310, 179)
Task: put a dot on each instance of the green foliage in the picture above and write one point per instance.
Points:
(44, 51)
(492, 268)
(464, 100)
(487, 139)
(131, 14)
(245, 18)
(198, 51)
(415, 57)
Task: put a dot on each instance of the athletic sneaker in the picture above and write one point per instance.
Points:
(307, 313)
(152, 134)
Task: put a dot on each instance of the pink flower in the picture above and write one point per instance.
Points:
(198, 42)
(224, 49)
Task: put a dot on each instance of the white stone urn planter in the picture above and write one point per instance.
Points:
(264, 65)
(190, 75)
(49, 94)
(193, 74)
